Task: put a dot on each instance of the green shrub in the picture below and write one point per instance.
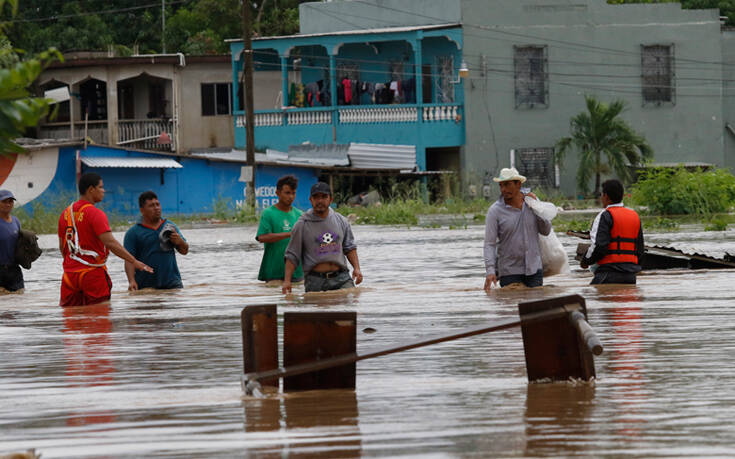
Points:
(716, 224)
(679, 191)
(660, 223)
(575, 224)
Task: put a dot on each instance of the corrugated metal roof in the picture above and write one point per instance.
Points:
(301, 158)
(135, 163)
(354, 155)
(327, 154)
(379, 156)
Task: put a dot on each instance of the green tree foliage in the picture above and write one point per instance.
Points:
(600, 131)
(204, 27)
(192, 26)
(680, 191)
(18, 110)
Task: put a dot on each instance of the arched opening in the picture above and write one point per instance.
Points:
(93, 99)
(144, 97)
(63, 110)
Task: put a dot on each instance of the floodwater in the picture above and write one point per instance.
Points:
(156, 374)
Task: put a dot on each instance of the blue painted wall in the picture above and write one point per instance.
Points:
(193, 189)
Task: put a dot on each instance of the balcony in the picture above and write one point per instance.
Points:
(397, 86)
(429, 125)
(139, 134)
(145, 134)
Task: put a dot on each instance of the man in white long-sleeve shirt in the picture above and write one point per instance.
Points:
(512, 253)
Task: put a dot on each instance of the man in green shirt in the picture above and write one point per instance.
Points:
(274, 231)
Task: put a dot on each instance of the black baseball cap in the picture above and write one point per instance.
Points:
(320, 187)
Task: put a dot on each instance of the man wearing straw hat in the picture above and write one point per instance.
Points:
(512, 253)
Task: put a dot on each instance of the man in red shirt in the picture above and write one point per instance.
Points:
(85, 241)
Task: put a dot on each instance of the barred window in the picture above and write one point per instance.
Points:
(537, 165)
(657, 64)
(531, 76)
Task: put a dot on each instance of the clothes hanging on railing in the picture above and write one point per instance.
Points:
(325, 96)
(296, 95)
(409, 91)
(396, 92)
(353, 92)
(347, 84)
(312, 94)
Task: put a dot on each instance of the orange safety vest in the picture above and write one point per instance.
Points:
(623, 234)
(71, 241)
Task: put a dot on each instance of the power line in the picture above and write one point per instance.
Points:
(515, 34)
(569, 45)
(632, 89)
(480, 69)
(118, 10)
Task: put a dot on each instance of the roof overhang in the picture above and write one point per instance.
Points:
(130, 163)
(353, 32)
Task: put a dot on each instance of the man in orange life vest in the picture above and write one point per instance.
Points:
(85, 240)
(617, 240)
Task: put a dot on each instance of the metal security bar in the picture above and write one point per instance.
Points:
(530, 64)
(657, 74)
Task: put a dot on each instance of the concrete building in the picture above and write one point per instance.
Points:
(130, 101)
(530, 64)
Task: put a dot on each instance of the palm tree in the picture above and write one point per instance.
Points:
(598, 131)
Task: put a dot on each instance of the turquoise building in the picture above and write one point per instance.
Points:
(485, 85)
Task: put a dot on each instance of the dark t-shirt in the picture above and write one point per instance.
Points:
(144, 243)
(8, 239)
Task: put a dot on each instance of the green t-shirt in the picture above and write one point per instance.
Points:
(273, 220)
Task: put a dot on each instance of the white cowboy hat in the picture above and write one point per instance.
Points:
(509, 173)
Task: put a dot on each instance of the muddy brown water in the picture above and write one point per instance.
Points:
(156, 374)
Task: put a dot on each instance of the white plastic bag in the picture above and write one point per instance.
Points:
(553, 256)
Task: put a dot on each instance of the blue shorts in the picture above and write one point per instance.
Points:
(320, 282)
(534, 280)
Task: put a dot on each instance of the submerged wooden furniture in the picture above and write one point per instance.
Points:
(319, 348)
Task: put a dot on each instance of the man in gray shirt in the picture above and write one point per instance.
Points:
(512, 253)
(322, 240)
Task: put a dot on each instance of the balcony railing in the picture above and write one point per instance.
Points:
(145, 134)
(368, 114)
(441, 113)
(96, 131)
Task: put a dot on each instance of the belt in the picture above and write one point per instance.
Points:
(326, 275)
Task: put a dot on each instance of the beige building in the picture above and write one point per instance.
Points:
(171, 102)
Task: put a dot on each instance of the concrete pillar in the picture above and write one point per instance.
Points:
(235, 85)
(112, 131)
(284, 81)
(333, 79)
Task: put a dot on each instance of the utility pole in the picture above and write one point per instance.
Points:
(247, 53)
(163, 26)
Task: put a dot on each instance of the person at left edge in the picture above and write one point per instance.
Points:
(85, 241)
(11, 277)
(153, 240)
